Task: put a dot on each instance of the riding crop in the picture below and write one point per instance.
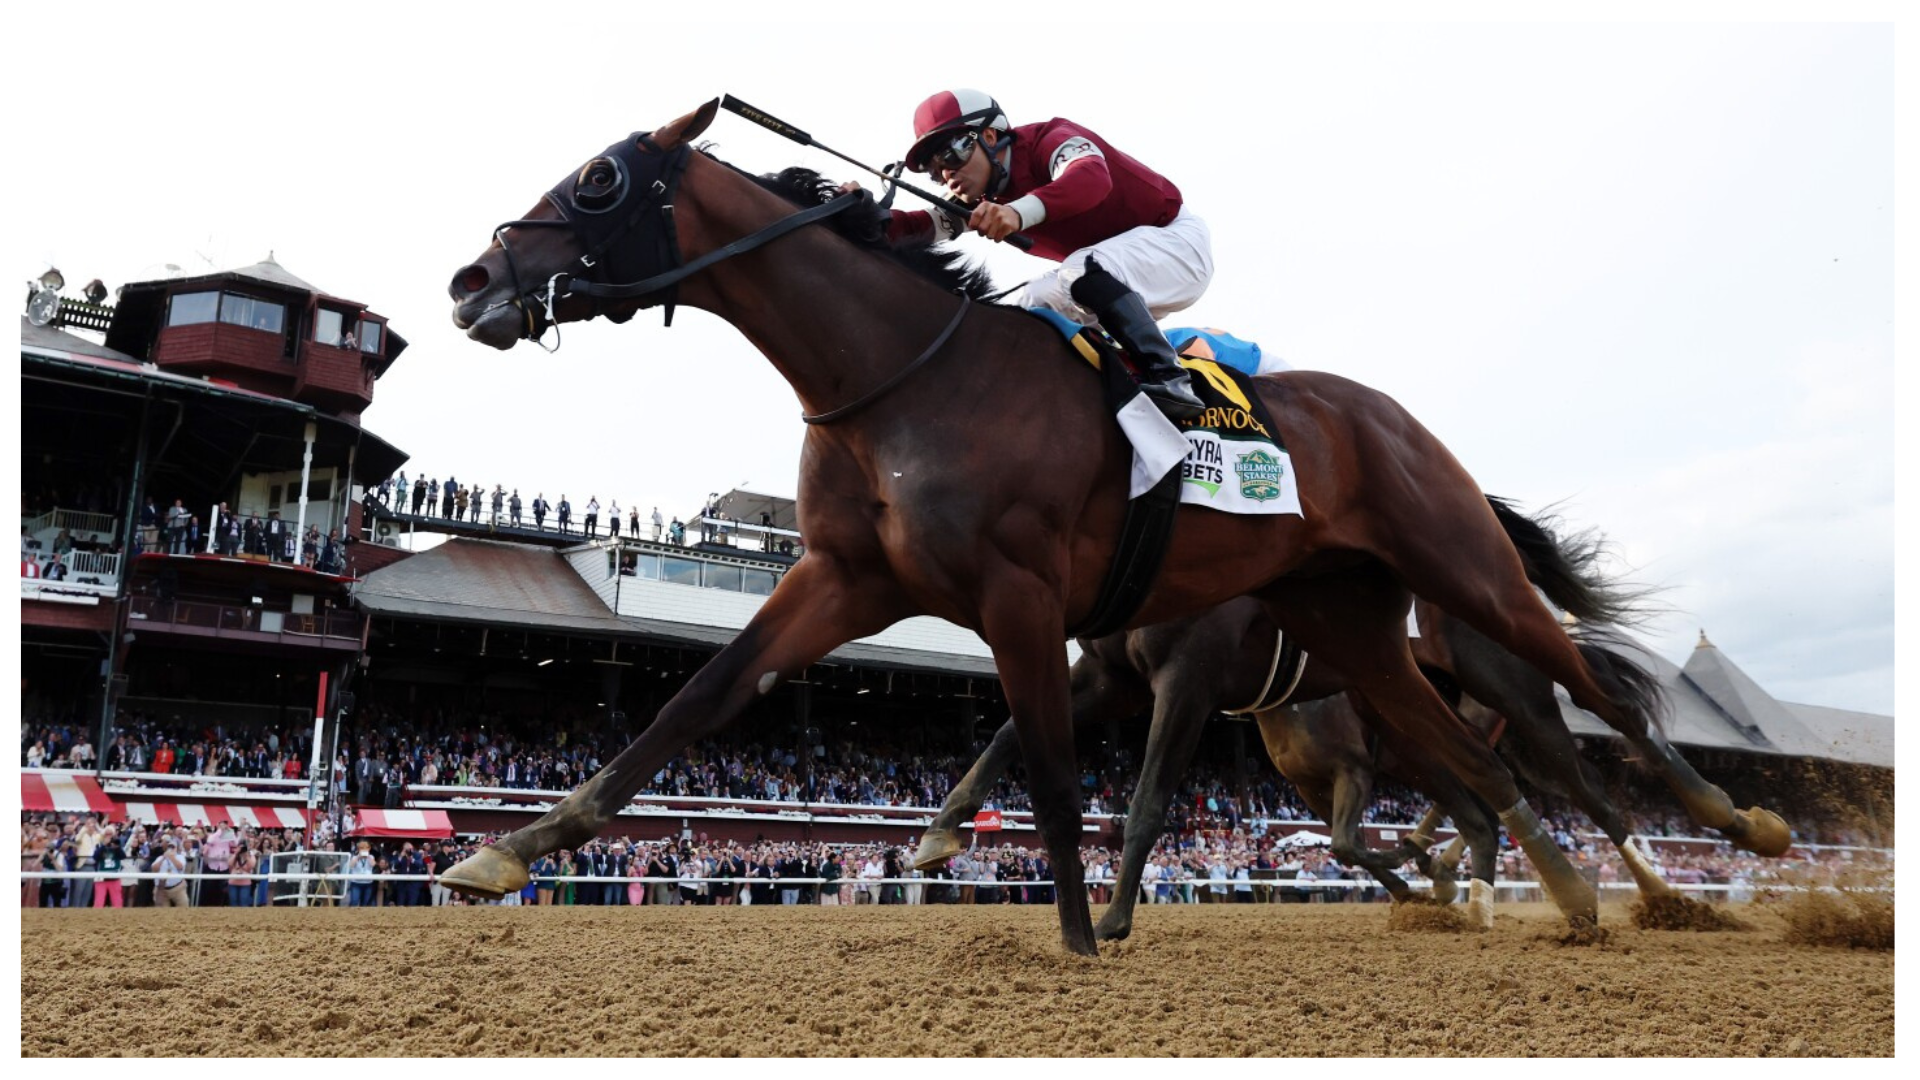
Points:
(785, 130)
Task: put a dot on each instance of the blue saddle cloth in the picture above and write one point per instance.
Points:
(1216, 345)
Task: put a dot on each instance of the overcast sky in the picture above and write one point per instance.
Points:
(1642, 270)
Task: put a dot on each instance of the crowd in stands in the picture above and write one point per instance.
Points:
(1232, 868)
(177, 530)
(452, 500)
(387, 750)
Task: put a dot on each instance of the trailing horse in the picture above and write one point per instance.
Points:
(1189, 669)
(961, 465)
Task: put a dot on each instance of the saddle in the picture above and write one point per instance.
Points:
(1228, 458)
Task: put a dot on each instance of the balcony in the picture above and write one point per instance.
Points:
(334, 629)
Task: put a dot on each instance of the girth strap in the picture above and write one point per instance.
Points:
(1143, 535)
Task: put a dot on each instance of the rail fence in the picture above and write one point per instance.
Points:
(1197, 884)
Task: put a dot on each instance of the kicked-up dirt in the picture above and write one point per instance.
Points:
(1238, 980)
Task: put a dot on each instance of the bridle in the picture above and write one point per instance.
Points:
(629, 185)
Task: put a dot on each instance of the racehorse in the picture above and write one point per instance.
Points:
(1331, 748)
(960, 464)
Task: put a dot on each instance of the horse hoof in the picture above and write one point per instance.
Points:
(1085, 948)
(1762, 832)
(1116, 932)
(936, 847)
(490, 873)
(1445, 890)
(1479, 905)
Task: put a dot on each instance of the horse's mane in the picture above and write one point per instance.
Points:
(866, 225)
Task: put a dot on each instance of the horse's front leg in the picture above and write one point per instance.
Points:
(1181, 704)
(1100, 693)
(815, 610)
(1023, 624)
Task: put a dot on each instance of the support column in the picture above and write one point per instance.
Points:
(129, 527)
(306, 475)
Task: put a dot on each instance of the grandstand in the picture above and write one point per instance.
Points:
(245, 389)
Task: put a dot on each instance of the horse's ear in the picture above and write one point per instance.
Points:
(687, 127)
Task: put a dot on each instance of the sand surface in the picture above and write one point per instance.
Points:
(1302, 980)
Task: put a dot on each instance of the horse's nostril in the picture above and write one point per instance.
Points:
(472, 279)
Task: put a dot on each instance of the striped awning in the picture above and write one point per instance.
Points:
(65, 793)
(402, 823)
(259, 817)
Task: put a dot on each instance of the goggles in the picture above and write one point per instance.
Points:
(954, 155)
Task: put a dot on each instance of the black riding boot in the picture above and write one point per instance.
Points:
(1125, 316)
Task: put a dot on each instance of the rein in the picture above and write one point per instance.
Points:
(605, 185)
(884, 388)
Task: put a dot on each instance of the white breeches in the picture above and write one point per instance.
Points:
(1169, 265)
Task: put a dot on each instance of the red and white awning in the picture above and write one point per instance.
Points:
(402, 823)
(259, 817)
(65, 793)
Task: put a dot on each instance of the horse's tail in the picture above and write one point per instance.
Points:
(1642, 701)
(1566, 568)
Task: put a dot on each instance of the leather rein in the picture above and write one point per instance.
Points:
(589, 204)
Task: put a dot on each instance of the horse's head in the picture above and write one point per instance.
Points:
(611, 222)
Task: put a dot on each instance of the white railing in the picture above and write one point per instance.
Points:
(74, 521)
(92, 563)
(1196, 885)
(77, 521)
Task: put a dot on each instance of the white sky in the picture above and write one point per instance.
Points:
(1643, 268)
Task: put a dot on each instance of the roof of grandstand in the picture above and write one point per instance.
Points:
(271, 429)
(1715, 705)
(525, 586)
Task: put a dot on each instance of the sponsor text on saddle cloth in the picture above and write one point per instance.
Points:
(1230, 456)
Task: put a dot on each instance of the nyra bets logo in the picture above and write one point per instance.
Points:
(1259, 474)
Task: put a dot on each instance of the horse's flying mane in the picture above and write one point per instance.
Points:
(866, 225)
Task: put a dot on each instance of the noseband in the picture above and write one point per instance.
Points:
(629, 187)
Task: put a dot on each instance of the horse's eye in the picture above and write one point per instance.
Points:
(600, 185)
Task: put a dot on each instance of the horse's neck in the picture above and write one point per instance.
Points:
(834, 320)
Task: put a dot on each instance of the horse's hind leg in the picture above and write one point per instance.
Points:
(816, 609)
(1184, 695)
(1356, 621)
(1471, 570)
(1756, 829)
(1439, 869)
(1538, 741)
(1352, 791)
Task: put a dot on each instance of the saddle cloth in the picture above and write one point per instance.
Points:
(1231, 457)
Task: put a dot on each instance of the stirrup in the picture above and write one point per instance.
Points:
(1175, 398)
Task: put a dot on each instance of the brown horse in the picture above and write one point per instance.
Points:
(963, 466)
(1331, 748)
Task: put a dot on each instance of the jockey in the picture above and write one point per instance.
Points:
(1129, 251)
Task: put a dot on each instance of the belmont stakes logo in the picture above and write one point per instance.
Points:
(1259, 474)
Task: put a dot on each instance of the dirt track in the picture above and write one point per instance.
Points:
(926, 981)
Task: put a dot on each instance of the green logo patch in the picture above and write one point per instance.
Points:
(1259, 474)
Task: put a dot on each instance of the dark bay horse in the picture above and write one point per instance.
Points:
(1190, 669)
(1330, 747)
(961, 464)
